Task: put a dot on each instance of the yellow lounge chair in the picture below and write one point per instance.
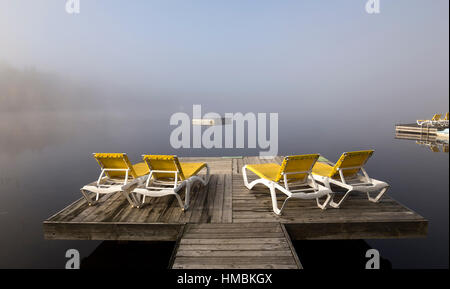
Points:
(116, 172)
(434, 121)
(168, 176)
(345, 174)
(444, 122)
(293, 178)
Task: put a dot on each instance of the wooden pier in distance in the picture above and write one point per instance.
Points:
(229, 226)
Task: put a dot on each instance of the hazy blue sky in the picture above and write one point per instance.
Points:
(281, 56)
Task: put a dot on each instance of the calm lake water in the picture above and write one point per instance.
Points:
(45, 157)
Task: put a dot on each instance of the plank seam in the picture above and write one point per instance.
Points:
(176, 247)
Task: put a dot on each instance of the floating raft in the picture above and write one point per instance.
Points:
(228, 226)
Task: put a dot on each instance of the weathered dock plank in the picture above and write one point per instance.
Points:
(111, 231)
(230, 247)
(358, 230)
(227, 212)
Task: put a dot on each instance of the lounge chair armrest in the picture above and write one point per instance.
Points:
(368, 179)
(138, 182)
(148, 180)
(341, 173)
(117, 170)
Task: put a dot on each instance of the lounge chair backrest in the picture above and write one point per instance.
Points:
(164, 163)
(436, 117)
(115, 161)
(350, 163)
(298, 163)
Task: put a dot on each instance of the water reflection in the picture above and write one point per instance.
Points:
(435, 147)
(336, 254)
(433, 142)
(129, 255)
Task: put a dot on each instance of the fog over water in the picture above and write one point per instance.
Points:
(109, 79)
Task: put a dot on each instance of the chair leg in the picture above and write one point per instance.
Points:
(326, 202)
(88, 198)
(137, 198)
(180, 202)
(336, 205)
(378, 197)
(207, 176)
(186, 197)
(282, 206)
(274, 201)
(244, 176)
(131, 199)
(329, 201)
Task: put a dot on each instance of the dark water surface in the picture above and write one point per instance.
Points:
(45, 158)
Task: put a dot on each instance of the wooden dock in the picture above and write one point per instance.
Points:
(235, 246)
(228, 226)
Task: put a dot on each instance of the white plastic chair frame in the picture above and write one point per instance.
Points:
(100, 188)
(440, 122)
(360, 183)
(319, 191)
(159, 188)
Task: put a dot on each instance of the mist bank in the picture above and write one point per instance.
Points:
(33, 90)
(41, 109)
